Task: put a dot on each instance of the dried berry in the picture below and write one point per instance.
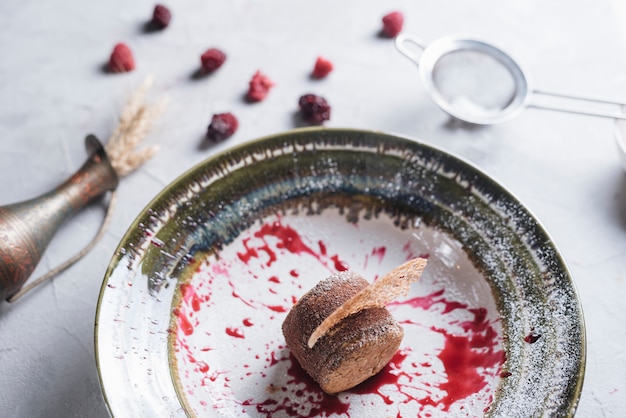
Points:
(212, 59)
(121, 59)
(392, 24)
(161, 16)
(259, 87)
(322, 67)
(314, 109)
(223, 125)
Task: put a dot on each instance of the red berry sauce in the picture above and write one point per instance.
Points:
(532, 337)
(238, 359)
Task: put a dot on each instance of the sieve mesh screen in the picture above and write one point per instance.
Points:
(473, 82)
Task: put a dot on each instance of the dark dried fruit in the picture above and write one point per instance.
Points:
(314, 109)
(322, 67)
(121, 59)
(259, 87)
(212, 59)
(223, 126)
(161, 16)
(392, 24)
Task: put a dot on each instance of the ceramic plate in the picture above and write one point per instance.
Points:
(190, 312)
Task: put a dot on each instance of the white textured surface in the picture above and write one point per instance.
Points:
(53, 92)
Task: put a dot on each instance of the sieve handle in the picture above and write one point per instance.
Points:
(406, 43)
(584, 99)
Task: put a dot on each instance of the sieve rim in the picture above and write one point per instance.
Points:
(443, 46)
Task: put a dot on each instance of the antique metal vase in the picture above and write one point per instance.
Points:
(27, 228)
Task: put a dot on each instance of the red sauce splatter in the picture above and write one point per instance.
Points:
(379, 252)
(277, 308)
(423, 302)
(183, 322)
(250, 252)
(274, 359)
(190, 297)
(236, 295)
(339, 265)
(389, 375)
(289, 239)
(254, 252)
(234, 332)
(462, 363)
(407, 249)
(464, 357)
(532, 337)
(202, 367)
(299, 385)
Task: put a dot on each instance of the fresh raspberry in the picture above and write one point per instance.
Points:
(223, 125)
(392, 24)
(121, 59)
(314, 109)
(322, 67)
(161, 16)
(212, 59)
(259, 87)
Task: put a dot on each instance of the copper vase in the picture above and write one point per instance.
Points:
(27, 228)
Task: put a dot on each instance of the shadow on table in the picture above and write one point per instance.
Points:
(620, 201)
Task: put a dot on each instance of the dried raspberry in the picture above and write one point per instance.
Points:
(161, 16)
(259, 87)
(314, 109)
(212, 59)
(121, 59)
(392, 24)
(223, 125)
(322, 68)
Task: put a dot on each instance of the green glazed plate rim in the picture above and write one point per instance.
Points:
(535, 290)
